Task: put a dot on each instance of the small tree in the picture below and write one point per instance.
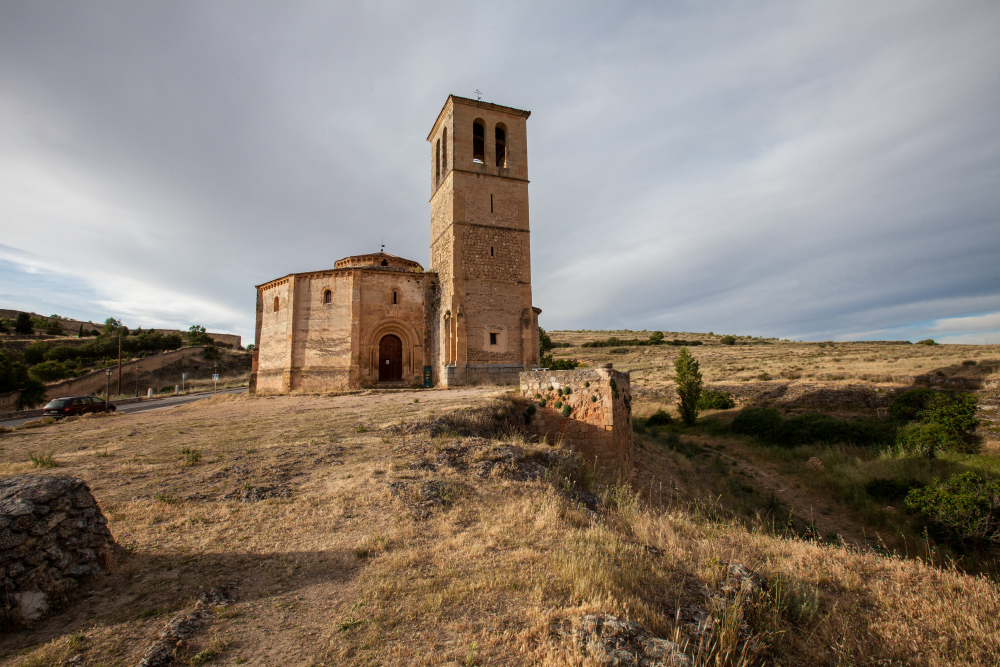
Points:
(23, 324)
(544, 342)
(54, 328)
(656, 338)
(111, 327)
(3, 327)
(728, 340)
(688, 379)
(80, 335)
(197, 335)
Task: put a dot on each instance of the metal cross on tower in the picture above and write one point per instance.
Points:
(479, 95)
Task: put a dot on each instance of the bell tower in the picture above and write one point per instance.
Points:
(486, 330)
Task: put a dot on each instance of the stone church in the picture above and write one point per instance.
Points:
(381, 320)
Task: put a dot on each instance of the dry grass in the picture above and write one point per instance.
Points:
(341, 573)
(831, 364)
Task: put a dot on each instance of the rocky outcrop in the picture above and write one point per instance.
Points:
(52, 536)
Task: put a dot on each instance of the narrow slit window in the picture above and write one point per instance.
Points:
(327, 296)
(493, 339)
(478, 143)
(395, 298)
(491, 251)
(491, 203)
(444, 151)
(501, 137)
(437, 162)
(277, 303)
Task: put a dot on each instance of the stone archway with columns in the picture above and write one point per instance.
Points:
(413, 350)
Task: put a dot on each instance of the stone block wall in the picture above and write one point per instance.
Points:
(598, 421)
(52, 535)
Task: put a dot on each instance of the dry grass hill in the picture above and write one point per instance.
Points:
(419, 527)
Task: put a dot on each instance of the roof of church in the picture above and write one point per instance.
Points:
(379, 261)
(371, 262)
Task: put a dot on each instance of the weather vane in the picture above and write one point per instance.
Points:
(383, 244)
(479, 95)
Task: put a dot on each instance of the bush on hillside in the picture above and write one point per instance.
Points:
(558, 364)
(210, 352)
(715, 400)
(48, 371)
(728, 340)
(932, 421)
(14, 377)
(967, 507)
(659, 418)
(35, 353)
(54, 328)
(23, 324)
(927, 341)
(770, 427)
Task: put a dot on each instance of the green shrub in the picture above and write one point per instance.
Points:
(48, 371)
(23, 324)
(715, 400)
(566, 410)
(593, 399)
(210, 352)
(926, 440)
(908, 405)
(54, 328)
(688, 379)
(967, 506)
(659, 418)
(728, 340)
(558, 364)
(770, 427)
(756, 422)
(35, 353)
(934, 420)
(926, 341)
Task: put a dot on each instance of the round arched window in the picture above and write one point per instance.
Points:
(327, 296)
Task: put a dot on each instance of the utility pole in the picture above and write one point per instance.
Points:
(119, 363)
(137, 379)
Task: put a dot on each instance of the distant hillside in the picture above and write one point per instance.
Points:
(72, 327)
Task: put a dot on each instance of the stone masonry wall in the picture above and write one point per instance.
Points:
(590, 411)
(52, 535)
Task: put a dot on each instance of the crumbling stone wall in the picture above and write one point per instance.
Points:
(52, 536)
(590, 410)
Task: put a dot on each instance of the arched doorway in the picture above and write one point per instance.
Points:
(390, 359)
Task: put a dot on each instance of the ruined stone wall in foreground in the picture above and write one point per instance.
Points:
(589, 410)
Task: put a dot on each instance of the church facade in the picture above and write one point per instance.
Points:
(381, 320)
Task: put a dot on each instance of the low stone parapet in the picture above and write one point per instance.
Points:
(590, 410)
(52, 536)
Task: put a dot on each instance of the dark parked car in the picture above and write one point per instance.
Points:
(75, 405)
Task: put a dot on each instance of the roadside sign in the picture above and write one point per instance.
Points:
(215, 378)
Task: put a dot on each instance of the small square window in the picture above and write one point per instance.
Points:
(493, 339)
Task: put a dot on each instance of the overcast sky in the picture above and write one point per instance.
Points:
(814, 171)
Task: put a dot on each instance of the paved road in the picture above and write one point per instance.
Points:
(155, 404)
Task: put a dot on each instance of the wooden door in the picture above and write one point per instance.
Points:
(390, 359)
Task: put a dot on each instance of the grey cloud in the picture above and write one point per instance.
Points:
(820, 170)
